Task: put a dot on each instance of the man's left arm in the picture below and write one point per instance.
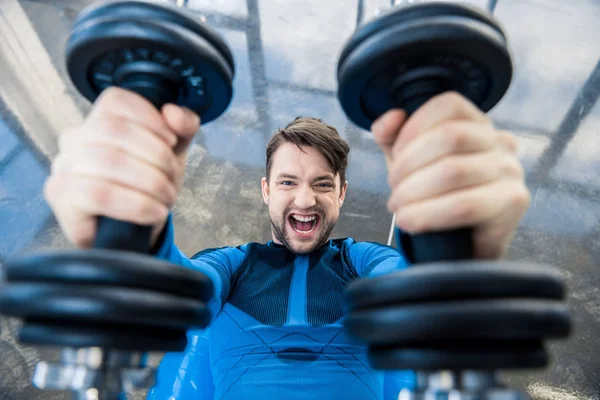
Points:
(373, 259)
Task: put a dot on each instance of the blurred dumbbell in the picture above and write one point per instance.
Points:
(452, 319)
(110, 305)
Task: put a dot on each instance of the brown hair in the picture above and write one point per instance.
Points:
(313, 132)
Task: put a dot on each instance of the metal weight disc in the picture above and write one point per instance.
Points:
(154, 10)
(497, 319)
(454, 281)
(191, 65)
(113, 305)
(412, 53)
(81, 334)
(454, 355)
(109, 268)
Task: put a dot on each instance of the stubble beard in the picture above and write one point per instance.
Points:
(280, 231)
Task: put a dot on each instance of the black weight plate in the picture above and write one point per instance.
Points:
(473, 52)
(63, 302)
(150, 10)
(457, 281)
(413, 12)
(492, 355)
(479, 319)
(97, 48)
(110, 268)
(127, 338)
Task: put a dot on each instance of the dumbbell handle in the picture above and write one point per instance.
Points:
(120, 235)
(428, 247)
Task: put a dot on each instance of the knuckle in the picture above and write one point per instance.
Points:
(78, 241)
(166, 159)
(162, 213)
(148, 211)
(454, 171)
(156, 213)
(58, 164)
(111, 127)
(101, 195)
(452, 96)
(455, 137)
(511, 140)
(110, 97)
(161, 188)
(521, 197)
(66, 139)
(450, 99)
(512, 167)
(394, 175)
(464, 210)
(111, 157)
(408, 223)
(80, 238)
(398, 198)
(51, 189)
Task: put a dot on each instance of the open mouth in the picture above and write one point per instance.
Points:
(304, 224)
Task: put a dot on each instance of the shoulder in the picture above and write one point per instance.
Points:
(221, 250)
(350, 243)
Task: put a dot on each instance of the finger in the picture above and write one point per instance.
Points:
(455, 173)
(92, 196)
(65, 138)
(184, 122)
(386, 129)
(128, 137)
(450, 138)
(60, 164)
(114, 165)
(128, 105)
(508, 141)
(78, 227)
(449, 106)
(463, 208)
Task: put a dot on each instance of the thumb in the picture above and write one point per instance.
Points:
(184, 123)
(385, 130)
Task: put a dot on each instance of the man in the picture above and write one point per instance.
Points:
(276, 330)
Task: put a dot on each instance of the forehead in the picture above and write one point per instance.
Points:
(303, 161)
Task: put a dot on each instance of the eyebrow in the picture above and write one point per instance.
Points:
(318, 178)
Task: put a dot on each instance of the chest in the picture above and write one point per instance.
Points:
(284, 289)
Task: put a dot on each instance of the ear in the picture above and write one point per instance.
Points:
(265, 190)
(343, 193)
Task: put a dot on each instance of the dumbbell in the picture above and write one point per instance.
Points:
(452, 319)
(109, 306)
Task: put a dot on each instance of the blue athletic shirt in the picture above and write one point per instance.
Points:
(276, 330)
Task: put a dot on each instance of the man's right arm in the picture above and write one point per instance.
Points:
(219, 264)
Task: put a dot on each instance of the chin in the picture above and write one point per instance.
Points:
(304, 248)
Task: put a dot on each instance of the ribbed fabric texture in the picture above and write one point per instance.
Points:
(326, 280)
(261, 287)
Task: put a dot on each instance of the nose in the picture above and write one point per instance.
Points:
(305, 198)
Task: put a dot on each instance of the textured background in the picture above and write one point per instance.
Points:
(286, 53)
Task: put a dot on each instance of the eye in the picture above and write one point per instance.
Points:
(287, 183)
(325, 185)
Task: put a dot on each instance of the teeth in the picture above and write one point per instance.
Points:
(304, 219)
(304, 232)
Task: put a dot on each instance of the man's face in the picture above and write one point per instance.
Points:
(304, 198)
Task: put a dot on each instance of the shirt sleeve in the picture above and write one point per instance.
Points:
(373, 259)
(219, 264)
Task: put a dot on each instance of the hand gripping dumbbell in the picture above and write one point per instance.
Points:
(454, 320)
(108, 306)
